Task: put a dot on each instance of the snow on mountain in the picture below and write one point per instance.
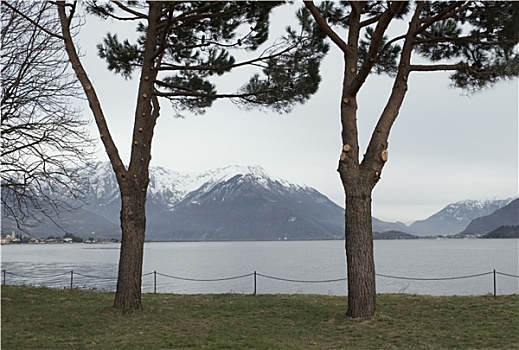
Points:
(507, 215)
(212, 177)
(471, 209)
(168, 189)
(167, 185)
(245, 202)
(456, 216)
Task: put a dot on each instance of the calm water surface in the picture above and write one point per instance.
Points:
(95, 266)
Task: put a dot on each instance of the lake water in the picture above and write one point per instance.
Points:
(95, 266)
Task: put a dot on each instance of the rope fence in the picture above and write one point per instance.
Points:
(436, 279)
(254, 274)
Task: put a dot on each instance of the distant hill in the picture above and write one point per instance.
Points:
(507, 215)
(455, 217)
(504, 232)
(384, 226)
(80, 222)
(393, 235)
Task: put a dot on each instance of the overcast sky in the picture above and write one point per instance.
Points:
(444, 146)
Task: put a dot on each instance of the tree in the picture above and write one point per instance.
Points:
(181, 46)
(477, 41)
(43, 134)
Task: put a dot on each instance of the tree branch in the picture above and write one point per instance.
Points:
(370, 21)
(166, 67)
(436, 67)
(373, 159)
(95, 105)
(326, 28)
(129, 10)
(445, 13)
(36, 24)
(464, 39)
(194, 93)
(374, 47)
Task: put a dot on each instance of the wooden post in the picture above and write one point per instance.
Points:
(495, 289)
(155, 282)
(255, 290)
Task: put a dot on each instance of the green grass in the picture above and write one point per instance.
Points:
(45, 318)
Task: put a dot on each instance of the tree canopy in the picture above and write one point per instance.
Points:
(202, 40)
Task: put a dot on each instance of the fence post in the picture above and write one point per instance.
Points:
(71, 279)
(255, 283)
(155, 282)
(3, 282)
(495, 289)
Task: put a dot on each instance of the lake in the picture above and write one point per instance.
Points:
(175, 263)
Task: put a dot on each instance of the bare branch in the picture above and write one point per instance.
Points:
(43, 134)
(33, 22)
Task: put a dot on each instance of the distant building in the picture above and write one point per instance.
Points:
(10, 238)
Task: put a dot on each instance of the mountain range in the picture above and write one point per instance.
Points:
(234, 203)
(455, 217)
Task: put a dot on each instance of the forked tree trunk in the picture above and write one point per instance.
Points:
(133, 183)
(133, 225)
(359, 249)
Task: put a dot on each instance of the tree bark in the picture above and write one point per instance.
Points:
(133, 225)
(359, 244)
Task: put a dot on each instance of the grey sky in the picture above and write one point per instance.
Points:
(444, 147)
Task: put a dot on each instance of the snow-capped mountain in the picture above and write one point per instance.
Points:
(235, 202)
(238, 203)
(455, 217)
(508, 215)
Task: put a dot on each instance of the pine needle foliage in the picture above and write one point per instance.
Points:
(201, 40)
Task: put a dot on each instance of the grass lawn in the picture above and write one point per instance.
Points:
(45, 318)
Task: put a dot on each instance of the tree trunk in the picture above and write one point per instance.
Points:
(133, 224)
(133, 183)
(359, 245)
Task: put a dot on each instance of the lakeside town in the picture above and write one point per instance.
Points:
(14, 238)
(68, 238)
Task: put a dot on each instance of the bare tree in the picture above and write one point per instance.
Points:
(181, 45)
(475, 40)
(43, 134)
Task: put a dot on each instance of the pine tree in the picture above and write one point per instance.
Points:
(477, 41)
(181, 46)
